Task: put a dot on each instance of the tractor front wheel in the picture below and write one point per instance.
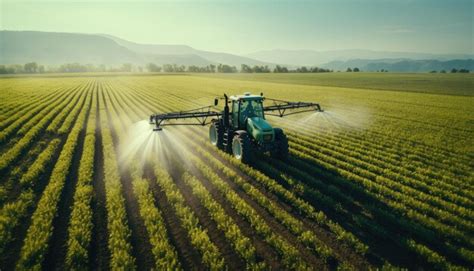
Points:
(216, 134)
(242, 147)
(281, 145)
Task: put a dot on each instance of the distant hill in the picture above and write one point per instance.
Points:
(315, 58)
(401, 65)
(50, 48)
(18, 47)
(180, 51)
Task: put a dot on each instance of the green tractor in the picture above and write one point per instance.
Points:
(241, 128)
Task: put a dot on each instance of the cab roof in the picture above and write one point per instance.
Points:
(246, 96)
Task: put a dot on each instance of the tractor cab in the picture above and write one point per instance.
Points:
(247, 114)
(245, 107)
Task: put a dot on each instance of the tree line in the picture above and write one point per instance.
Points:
(33, 67)
(452, 71)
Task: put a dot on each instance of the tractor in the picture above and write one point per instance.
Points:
(241, 128)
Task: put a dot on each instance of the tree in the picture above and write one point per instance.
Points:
(126, 67)
(464, 71)
(3, 69)
(226, 68)
(72, 67)
(168, 68)
(31, 67)
(433, 71)
(454, 70)
(245, 69)
(260, 69)
(349, 70)
(356, 69)
(442, 71)
(152, 67)
(279, 69)
(302, 69)
(212, 67)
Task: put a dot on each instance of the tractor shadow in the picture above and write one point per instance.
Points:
(378, 225)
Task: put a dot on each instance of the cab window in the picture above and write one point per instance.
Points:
(250, 109)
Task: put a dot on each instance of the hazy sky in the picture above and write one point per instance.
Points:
(247, 26)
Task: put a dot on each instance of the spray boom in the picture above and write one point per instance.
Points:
(202, 114)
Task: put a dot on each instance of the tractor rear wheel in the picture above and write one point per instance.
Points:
(281, 145)
(216, 134)
(242, 147)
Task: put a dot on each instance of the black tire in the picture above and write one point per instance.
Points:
(241, 141)
(281, 145)
(216, 134)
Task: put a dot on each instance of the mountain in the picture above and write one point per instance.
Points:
(51, 48)
(18, 47)
(184, 50)
(401, 65)
(313, 58)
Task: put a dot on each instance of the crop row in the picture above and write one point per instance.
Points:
(232, 232)
(38, 125)
(63, 117)
(381, 191)
(428, 167)
(21, 118)
(80, 224)
(439, 180)
(161, 99)
(40, 230)
(289, 197)
(329, 196)
(307, 237)
(118, 230)
(386, 169)
(225, 223)
(27, 107)
(164, 253)
(286, 194)
(439, 208)
(411, 158)
(198, 236)
(176, 105)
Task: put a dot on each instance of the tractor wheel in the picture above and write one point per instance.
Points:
(242, 147)
(281, 145)
(216, 134)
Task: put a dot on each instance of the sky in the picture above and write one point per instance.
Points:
(241, 27)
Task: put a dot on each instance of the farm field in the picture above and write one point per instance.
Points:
(384, 177)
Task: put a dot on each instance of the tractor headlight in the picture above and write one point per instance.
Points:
(267, 137)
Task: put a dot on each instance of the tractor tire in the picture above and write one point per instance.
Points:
(281, 145)
(242, 147)
(216, 134)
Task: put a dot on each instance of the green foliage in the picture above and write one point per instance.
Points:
(80, 224)
(36, 241)
(241, 243)
(211, 256)
(404, 176)
(118, 230)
